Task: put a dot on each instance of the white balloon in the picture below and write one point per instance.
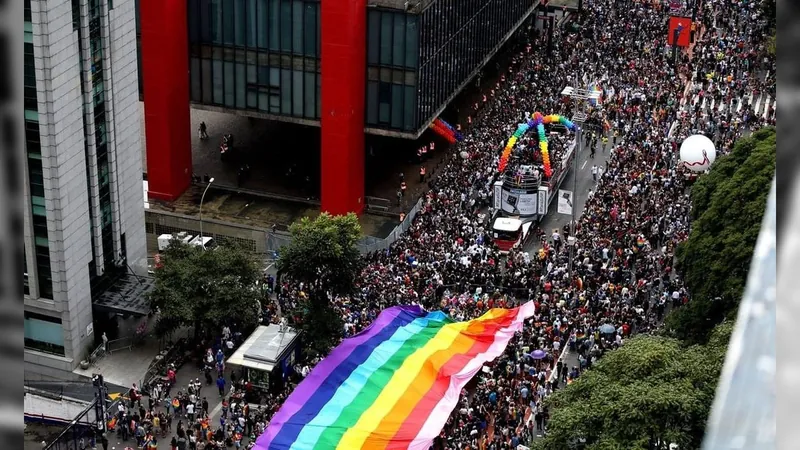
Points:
(464, 155)
(698, 153)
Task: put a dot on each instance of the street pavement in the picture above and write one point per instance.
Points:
(585, 183)
(188, 372)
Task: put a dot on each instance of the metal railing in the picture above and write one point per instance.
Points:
(743, 414)
(96, 355)
(368, 244)
(125, 343)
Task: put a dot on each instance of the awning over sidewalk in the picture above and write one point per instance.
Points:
(127, 295)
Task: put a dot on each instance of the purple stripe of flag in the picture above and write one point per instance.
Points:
(323, 370)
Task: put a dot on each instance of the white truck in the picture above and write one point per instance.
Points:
(165, 239)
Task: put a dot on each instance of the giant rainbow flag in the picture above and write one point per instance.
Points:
(392, 386)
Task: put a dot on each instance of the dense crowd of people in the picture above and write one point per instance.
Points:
(622, 279)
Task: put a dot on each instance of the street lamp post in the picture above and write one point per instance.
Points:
(579, 118)
(203, 197)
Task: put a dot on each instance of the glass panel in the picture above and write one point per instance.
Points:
(38, 201)
(252, 22)
(297, 27)
(44, 335)
(386, 38)
(274, 77)
(215, 21)
(194, 71)
(286, 91)
(286, 25)
(274, 24)
(309, 90)
(263, 23)
(193, 21)
(230, 83)
(263, 101)
(409, 108)
(384, 100)
(397, 106)
(240, 22)
(218, 81)
(241, 86)
(252, 87)
(412, 42)
(228, 22)
(33, 116)
(372, 102)
(373, 36)
(310, 30)
(206, 79)
(297, 92)
(398, 40)
(319, 96)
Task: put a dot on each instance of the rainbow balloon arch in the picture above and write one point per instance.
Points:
(537, 121)
(446, 131)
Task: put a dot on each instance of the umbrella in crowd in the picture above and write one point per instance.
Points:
(607, 328)
(538, 354)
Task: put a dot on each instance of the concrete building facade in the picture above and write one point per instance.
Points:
(84, 210)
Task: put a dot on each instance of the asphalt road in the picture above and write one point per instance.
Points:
(585, 183)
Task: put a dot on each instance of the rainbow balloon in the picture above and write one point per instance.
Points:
(536, 121)
(446, 131)
(393, 385)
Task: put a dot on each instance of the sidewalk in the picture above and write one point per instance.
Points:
(188, 372)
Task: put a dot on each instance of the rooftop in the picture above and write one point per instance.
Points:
(264, 348)
(127, 295)
(414, 6)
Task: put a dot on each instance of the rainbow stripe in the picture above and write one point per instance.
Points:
(392, 386)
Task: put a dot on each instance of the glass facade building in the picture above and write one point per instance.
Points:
(264, 56)
(456, 39)
(260, 55)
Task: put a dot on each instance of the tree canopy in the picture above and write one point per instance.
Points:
(728, 207)
(652, 389)
(323, 255)
(206, 288)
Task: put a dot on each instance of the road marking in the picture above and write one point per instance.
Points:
(584, 164)
(215, 411)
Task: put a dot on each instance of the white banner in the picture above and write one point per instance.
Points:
(498, 194)
(519, 202)
(543, 202)
(565, 202)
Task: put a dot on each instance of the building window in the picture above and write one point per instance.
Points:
(384, 102)
(386, 39)
(25, 286)
(399, 40)
(44, 333)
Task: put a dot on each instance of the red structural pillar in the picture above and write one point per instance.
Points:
(343, 54)
(165, 68)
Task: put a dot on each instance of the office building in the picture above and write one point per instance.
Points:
(386, 67)
(84, 212)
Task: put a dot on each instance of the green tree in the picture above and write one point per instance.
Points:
(323, 255)
(652, 389)
(728, 207)
(206, 288)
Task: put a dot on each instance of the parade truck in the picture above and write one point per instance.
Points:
(523, 193)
